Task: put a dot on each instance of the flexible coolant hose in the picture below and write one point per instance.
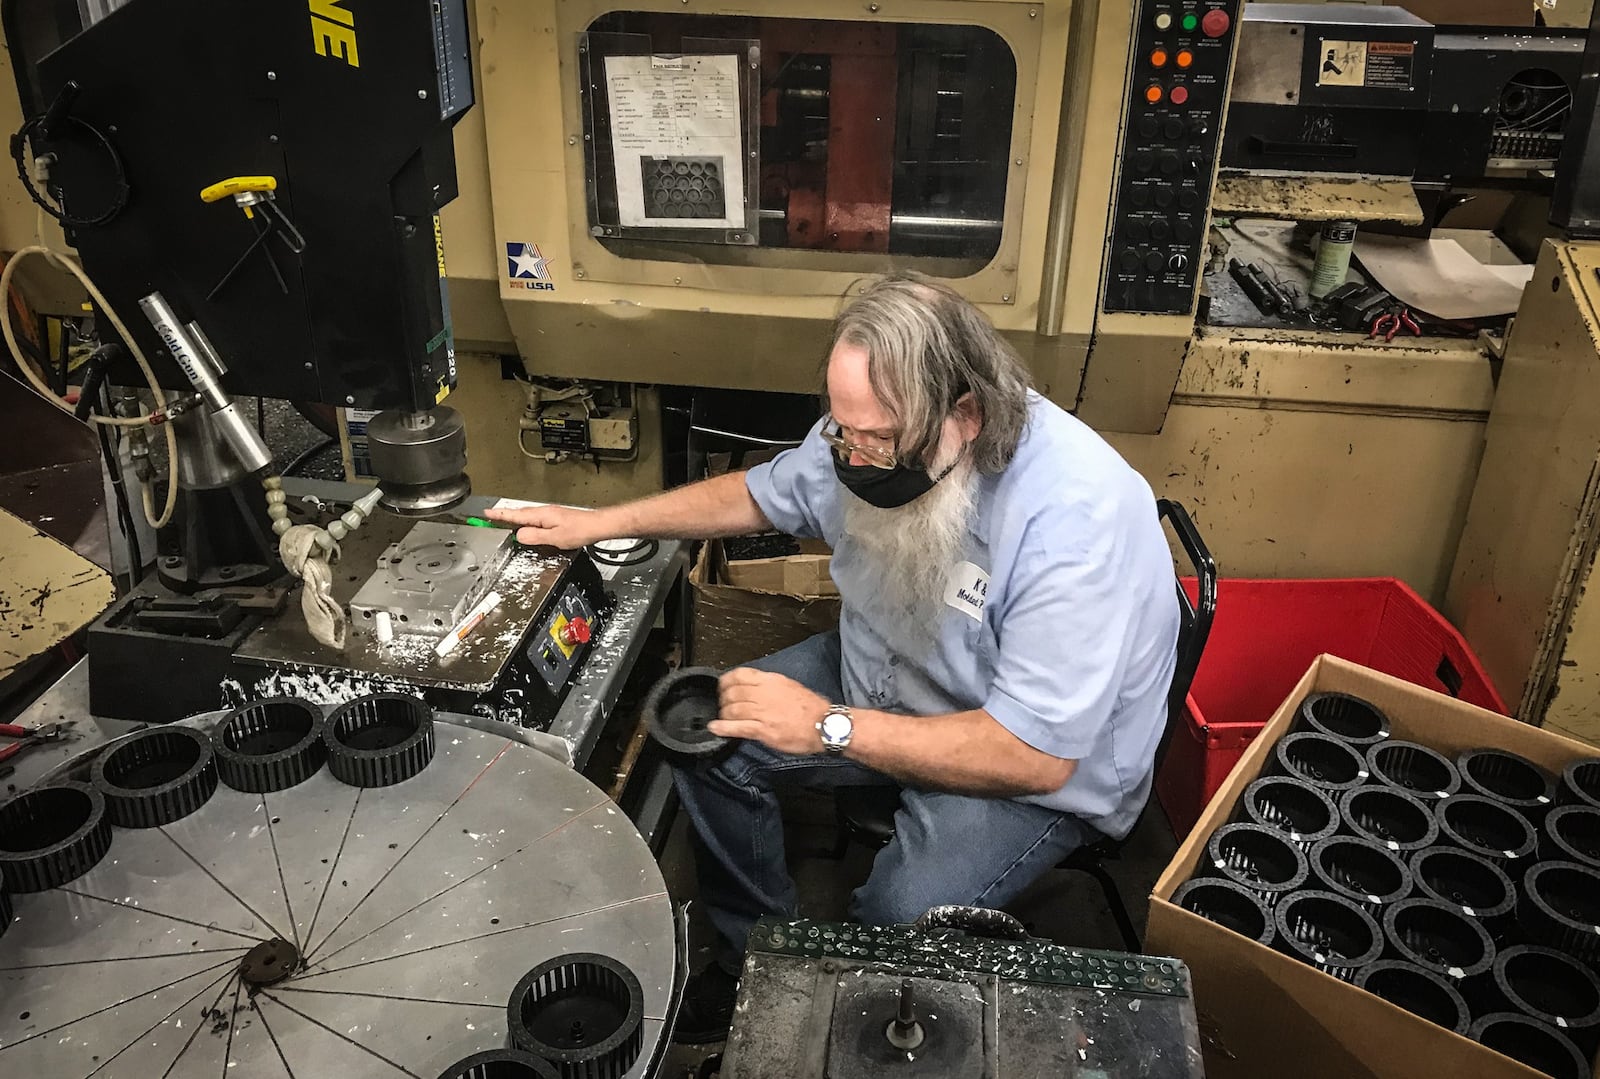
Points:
(67, 263)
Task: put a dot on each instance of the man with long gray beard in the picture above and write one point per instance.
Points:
(1008, 634)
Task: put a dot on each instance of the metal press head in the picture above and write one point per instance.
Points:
(420, 459)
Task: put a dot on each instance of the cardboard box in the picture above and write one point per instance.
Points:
(749, 609)
(1264, 1014)
(805, 575)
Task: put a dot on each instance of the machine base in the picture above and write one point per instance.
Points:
(156, 675)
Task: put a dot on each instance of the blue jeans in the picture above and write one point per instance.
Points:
(947, 848)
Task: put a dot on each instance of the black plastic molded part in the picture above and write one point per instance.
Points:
(1475, 886)
(1349, 719)
(1486, 828)
(500, 1064)
(1439, 937)
(1229, 905)
(678, 709)
(1389, 817)
(52, 835)
(1549, 986)
(1328, 764)
(1560, 908)
(1292, 806)
(1328, 932)
(1419, 991)
(269, 745)
(1414, 768)
(1528, 1041)
(548, 1005)
(1571, 833)
(1368, 874)
(155, 776)
(1580, 783)
(1507, 778)
(379, 739)
(1260, 859)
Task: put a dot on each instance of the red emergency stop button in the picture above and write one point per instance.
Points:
(575, 632)
(1215, 23)
(1179, 95)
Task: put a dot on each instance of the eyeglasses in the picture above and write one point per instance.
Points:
(876, 456)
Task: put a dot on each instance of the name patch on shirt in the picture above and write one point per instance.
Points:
(968, 590)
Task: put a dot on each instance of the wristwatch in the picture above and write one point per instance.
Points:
(836, 727)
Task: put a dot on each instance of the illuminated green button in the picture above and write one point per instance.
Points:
(1190, 21)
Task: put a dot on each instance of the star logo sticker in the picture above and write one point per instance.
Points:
(524, 262)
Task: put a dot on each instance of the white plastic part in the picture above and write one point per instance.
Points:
(384, 624)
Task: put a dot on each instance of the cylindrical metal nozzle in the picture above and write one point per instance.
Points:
(202, 368)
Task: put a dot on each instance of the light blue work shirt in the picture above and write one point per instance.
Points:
(1061, 621)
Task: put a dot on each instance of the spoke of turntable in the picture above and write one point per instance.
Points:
(231, 843)
(387, 825)
(491, 904)
(88, 968)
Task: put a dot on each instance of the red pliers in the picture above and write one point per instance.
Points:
(1390, 324)
(29, 736)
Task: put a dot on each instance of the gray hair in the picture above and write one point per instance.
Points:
(926, 346)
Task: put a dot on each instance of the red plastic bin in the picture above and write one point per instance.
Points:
(1266, 634)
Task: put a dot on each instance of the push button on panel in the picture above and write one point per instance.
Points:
(1180, 95)
(1215, 23)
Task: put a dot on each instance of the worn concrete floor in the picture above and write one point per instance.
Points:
(1064, 907)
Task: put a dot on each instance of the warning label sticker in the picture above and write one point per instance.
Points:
(1377, 65)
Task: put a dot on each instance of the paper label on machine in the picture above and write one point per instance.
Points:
(1377, 65)
(676, 140)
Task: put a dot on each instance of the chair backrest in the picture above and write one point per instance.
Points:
(1194, 626)
(732, 422)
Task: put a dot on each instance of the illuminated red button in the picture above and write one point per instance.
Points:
(1185, 57)
(1158, 58)
(1152, 93)
(1215, 23)
(576, 632)
(1179, 95)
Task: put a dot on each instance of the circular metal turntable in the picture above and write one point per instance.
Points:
(329, 930)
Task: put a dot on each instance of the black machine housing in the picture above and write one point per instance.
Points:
(1447, 104)
(349, 106)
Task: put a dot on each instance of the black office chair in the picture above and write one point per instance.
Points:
(734, 422)
(866, 814)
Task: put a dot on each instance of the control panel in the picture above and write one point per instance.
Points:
(1182, 53)
(561, 643)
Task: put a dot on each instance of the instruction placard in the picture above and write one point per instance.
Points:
(1376, 65)
(675, 139)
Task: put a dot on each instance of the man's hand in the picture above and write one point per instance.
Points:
(771, 709)
(553, 526)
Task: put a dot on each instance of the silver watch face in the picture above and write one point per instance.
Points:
(836, 728)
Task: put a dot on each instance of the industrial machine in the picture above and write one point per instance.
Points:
(256, 246)
(964, 993)
(1377, 91)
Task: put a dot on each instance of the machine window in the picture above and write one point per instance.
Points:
(870, 138)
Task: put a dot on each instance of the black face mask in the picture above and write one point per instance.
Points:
(886, 488)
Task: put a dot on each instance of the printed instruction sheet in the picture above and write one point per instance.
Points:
(675, 137)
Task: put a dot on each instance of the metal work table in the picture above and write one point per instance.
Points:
(641, 592)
